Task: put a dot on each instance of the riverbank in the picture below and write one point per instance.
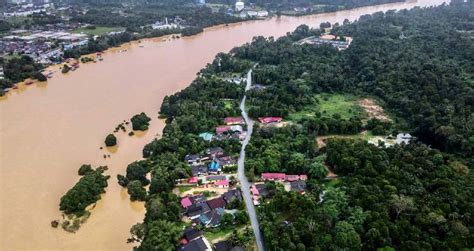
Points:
(54, 130)
(142, 37)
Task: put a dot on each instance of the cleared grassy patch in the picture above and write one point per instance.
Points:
(218, 235)
(183, 189)
(330, 104)
(98, 31)
(228, 104)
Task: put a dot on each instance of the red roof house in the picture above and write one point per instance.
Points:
(267, 120)
(221, 183)
(255, 190)
(273, 176)
(291, 178)
(193, 180)
(222, 129)
(233, 120)
(186, 202)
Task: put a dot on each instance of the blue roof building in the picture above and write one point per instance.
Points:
(214, 166)
(206, 136)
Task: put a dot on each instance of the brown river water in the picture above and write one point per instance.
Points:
(48, 130)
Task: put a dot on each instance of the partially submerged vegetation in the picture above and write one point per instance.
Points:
(140, 122)
(84, 193)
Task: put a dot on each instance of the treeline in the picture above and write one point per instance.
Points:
(321, 5)
(85, 192)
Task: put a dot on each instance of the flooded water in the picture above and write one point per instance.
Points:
(48, 130)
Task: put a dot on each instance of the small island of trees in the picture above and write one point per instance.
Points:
(110, 140)
(140, 122)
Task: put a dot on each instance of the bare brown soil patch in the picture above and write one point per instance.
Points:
(373, 110)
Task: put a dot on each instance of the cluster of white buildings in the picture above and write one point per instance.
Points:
(27, 7)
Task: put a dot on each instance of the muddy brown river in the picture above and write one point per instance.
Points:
(48, 130)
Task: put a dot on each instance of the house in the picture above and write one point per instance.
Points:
(229, 129)
(212, 218)
(199, 244)
(215, 151)
(214, 167)
(231, 195)
(222, 184)
(216, 203)
(223, 246)
(192, 158)
(206, 136)
(233, 120)
(193, 180)
(291, 178)
(268, 120)
(191, 234)
(403, 138)
(195, 210)
(274, 176)
(298, 186)
(197, 198)
(222, 129)
(262, 189)
(226, 161)
(214, 178)
(186, 202)
(303, 177)
(199, 170)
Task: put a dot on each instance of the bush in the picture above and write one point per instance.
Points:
(84, 170)
(140, 122)
(136, 190)
(110, 140)
(40, 77)
(66, 68)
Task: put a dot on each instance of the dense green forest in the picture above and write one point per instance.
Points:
(418, 63)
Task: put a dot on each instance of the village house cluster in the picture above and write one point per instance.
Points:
(295, 183)
(327, 39)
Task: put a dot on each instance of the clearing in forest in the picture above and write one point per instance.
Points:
(330, 104)
(373, 110)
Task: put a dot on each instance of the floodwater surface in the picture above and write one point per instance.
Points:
(48, 130)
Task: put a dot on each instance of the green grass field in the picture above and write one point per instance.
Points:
(330, 104)
(99, 30)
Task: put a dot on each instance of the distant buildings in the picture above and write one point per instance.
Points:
(332, 40)
(239, 5)
(164, 26)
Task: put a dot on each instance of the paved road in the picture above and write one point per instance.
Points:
(241, 170)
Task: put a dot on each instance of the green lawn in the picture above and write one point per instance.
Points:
(99, 30)
(228, 104)
(330, 104)
(183, 189)
(218, 235)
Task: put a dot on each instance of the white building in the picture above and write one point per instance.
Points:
(166, 25)
(239, 5)
(262, 13)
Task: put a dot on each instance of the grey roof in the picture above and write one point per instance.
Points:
(191, 233)
(232, 194)
(298, 186)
